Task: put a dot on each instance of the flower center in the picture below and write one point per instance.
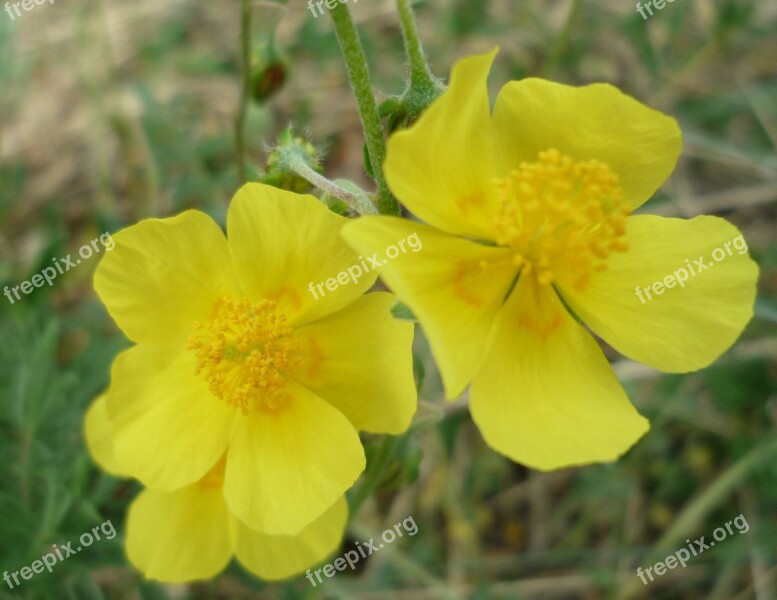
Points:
(562, 217)
(245, 353)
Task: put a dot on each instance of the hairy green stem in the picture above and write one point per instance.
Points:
(360, 204)
(359, 77)
(245, 59)
(420, 75)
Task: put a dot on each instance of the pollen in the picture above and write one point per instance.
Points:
(562, 217)
(246, 353)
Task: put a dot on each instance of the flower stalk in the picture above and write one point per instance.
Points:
(245, 91)
(421, 77)
(294, 161)
(361, 84)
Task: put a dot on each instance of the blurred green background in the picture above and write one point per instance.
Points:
(112, 112)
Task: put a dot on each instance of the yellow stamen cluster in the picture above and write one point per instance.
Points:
(563, 217)
(246, 353)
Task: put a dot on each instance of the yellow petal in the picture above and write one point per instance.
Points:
(441, 168)
(98, 431)
(284, 244)
(280, 556)
(596, 121)
(179, 536)
(169, 429)
(165, 274)
(683, 328)
(546, 396)
(454, 297)
(360, 361)
(285, 467)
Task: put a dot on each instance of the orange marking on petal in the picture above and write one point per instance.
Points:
(315, 357)
(215, 477)
(274, 404)
(461, 288)
(286, 293)
(471, 203)
(543, 327)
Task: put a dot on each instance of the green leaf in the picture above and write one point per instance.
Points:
(402, 312)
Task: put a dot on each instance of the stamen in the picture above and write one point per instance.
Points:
(563, 217)
(246, 354)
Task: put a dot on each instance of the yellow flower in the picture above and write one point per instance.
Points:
(190, 533)
(234, 355)
(529, 234)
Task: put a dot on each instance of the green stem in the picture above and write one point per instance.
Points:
(360, 204)
(245, 58)
(420, 75)
(359, 77)
(374, 473)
